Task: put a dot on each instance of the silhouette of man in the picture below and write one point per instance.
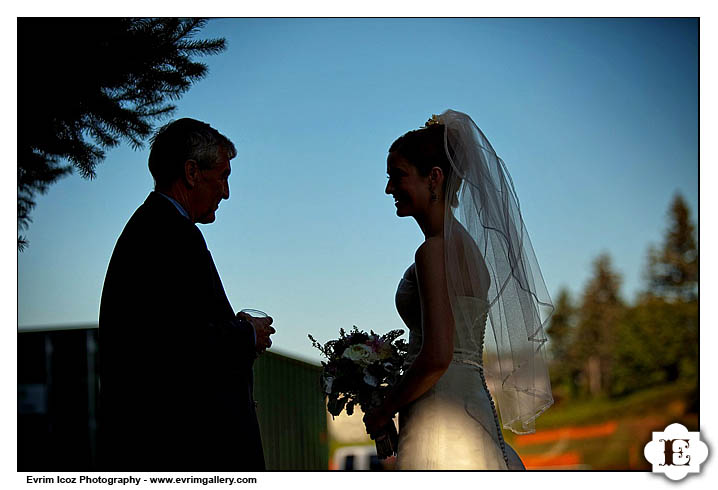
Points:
(176, 362)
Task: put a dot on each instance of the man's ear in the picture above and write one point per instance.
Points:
(191, 173)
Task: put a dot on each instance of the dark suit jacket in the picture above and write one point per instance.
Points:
(176, 365)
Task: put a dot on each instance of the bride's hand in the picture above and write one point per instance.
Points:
(375, 420)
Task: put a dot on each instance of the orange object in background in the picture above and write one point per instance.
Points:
(564, 460)
(584, 432)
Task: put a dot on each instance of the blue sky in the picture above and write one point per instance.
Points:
(597, 121)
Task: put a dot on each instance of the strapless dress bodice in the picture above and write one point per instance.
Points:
(469, 321)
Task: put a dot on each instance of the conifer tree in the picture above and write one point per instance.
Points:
(564, 366)
(598, 316)
(559, 329)
(658, 337)
(85, 85)
(673, 270)
(657, 343)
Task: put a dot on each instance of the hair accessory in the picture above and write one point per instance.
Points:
(433, 121)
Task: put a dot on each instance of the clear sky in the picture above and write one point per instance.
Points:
(597, 121)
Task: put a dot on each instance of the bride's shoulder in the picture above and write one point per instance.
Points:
(432, 248)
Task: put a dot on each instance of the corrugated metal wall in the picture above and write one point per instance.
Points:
(287, 392)
(57, 404)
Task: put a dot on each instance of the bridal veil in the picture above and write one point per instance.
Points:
(483, 203)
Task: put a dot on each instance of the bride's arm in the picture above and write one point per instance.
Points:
(438, 336)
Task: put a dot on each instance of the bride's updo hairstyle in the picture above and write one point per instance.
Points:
(424, 149)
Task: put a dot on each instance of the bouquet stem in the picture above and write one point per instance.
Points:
(387, 441)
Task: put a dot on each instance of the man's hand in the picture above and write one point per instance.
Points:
(262, 328)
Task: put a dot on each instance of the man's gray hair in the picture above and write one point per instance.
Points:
(182, 140)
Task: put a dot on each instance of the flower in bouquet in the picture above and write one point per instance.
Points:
(360, 368)
(360, 353)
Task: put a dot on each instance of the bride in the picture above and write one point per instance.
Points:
(475, 269)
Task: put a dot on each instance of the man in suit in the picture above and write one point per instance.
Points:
(176, 362)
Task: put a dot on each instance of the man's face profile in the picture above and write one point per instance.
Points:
(211, 188)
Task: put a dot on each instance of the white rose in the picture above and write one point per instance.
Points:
(358, 353)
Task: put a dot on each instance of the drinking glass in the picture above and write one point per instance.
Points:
(254, 313)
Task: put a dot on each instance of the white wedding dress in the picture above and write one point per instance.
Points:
(454, 425)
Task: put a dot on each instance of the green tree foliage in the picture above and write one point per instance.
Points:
(85, 85)
(658, 338)
(564, 367)
(598, 317)
(604, 347)
(561, 326)
(657, 344)
(673, 270)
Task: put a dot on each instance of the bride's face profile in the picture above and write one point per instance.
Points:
(409, 188)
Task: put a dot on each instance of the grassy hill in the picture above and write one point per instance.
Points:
(606, 434)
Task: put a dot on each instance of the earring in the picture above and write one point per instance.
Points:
(434, 197)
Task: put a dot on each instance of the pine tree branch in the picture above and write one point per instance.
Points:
(118, 76)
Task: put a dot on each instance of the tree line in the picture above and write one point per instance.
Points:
(602, 346)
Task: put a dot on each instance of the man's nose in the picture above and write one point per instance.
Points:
(225, 191)
(389, 188)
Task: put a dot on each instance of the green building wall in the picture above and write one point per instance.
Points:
(292, 413)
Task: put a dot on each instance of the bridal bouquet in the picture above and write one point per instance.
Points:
(360, 369)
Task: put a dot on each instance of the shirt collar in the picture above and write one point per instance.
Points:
(176, 204)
